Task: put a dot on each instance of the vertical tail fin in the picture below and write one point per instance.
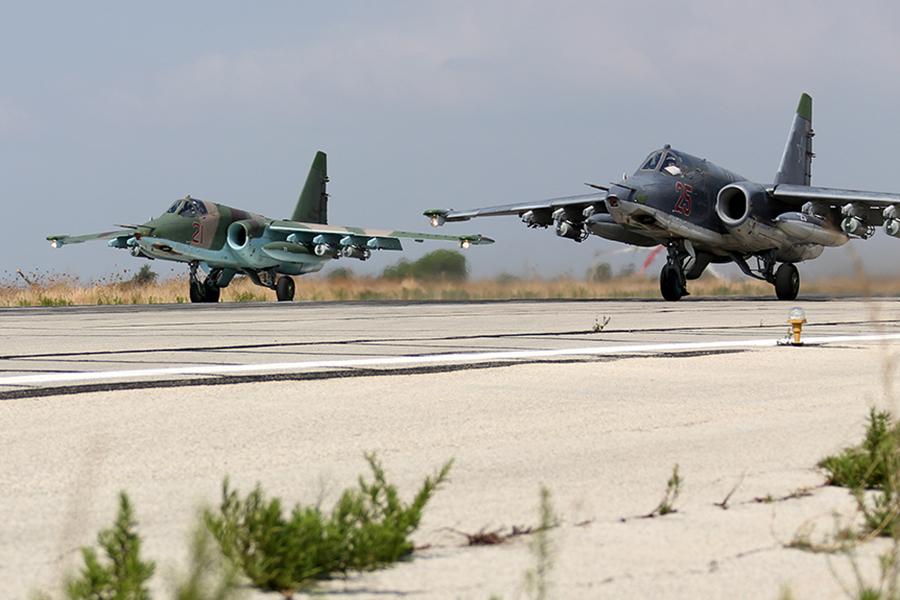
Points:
(796, 162)
(312, 206)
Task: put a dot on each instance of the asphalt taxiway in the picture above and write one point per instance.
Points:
(596, 400)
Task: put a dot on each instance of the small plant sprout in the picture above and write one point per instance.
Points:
(673, 490)
(724, 503)
(865, 466)
(600, 323)
(124, 574)
(537, 579)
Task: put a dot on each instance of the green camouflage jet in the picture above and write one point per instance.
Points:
(219, 242)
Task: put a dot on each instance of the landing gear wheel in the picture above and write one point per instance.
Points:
(787, 282)
(284, 289)
(670, 283)
(204, 292)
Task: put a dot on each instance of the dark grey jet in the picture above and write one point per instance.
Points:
(705, 214)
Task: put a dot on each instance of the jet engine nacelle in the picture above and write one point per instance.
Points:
(740, 201)
(241, 232)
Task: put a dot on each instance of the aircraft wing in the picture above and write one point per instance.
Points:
(801, 194)
(439, 215)
(119, 234)
(862, 210)
(375, 239)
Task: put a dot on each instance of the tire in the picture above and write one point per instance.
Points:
(212, 293)
(284, 289)
(196, 291)
(787, 282)
(670, 284)
(203, 292)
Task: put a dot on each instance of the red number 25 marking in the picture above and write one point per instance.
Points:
(683, 204)
(197, 237)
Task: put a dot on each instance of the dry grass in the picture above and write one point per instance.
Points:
(57, 290)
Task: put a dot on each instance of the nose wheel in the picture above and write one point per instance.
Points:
(203, 291)
(672, 282)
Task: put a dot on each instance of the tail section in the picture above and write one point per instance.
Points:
(312, 206)
(796, 162)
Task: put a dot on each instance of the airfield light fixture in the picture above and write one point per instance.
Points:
(796, 318)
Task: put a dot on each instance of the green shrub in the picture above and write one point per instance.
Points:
(440, 264)
(123, 576)
(600, 272)
(341, 273)
(369, 527)
(144, 276)
(866, 465)
(209, 575)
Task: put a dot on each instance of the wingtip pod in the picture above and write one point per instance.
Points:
(477, 240)
(804, 107)
(436, 216)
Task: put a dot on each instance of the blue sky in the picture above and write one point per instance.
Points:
(111, 110)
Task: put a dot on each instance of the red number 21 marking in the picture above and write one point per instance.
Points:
(683, 204)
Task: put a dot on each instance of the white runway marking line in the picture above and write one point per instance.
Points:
(457, 358)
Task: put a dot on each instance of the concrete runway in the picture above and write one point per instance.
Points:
(164, 401)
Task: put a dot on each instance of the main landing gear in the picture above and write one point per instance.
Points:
(787, 282)
(284, 289)
(785, 278)
(283, 285)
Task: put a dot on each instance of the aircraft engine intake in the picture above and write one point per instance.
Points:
(241, 232)
(740, 201)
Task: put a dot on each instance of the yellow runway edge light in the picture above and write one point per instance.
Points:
(796, 318)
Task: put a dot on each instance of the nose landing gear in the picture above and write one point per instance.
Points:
(206, 290)
(672, 280)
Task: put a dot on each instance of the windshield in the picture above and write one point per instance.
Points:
(174, 207)
(192, 208)
(652, 162)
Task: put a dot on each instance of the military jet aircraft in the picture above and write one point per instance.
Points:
(705, 214)
(219, 242)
